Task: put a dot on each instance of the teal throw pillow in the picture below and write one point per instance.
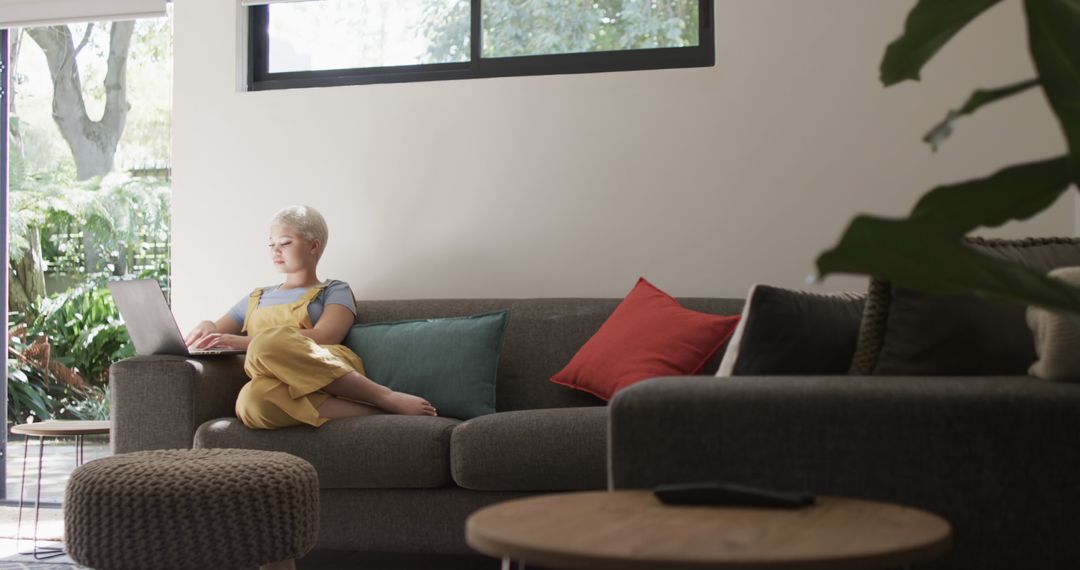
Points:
(451, 362)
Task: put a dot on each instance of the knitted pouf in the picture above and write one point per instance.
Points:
(191, 508)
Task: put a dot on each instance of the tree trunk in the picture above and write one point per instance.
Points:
(92, 143)
(14, 132)
(91, 259)
(27, 283)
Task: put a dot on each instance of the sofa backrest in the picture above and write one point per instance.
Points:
(541, 337)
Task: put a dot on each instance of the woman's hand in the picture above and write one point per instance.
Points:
(222, 340)
(201, 330)
(226, 325)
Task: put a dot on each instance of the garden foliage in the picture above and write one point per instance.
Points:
(117, 219)
(81, 333)
(69, 233)
(530, 27)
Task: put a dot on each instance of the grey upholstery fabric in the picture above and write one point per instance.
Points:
(401, 520)
(191, 509)
(996, 457)
(157, 402)
(384, 451)
(561, 449)
(540, 339)
(926, 334)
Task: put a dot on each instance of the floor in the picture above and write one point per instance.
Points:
(58, 461)
(316, 560)
(51, 523)
(10, 557)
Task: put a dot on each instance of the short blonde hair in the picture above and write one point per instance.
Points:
(307, 222)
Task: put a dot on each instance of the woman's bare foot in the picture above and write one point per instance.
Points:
(359, 388)
(405, 404)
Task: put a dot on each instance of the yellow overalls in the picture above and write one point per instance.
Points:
(287, 369)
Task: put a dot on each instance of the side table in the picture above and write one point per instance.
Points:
(632, 530)
(42, 430)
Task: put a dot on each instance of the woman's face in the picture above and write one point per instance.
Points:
(289, 252)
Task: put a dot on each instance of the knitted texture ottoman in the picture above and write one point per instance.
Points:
(191, 508)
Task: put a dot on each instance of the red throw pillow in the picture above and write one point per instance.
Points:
(648, 335)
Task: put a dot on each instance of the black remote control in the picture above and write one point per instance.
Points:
(728, 494)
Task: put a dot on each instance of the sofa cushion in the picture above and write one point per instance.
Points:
(560, 449)
(449, 361)
(786, 332)
(648, 335)
(373, 452)
(1057, 336)
(910, 333)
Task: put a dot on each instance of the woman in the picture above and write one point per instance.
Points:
(300, 373)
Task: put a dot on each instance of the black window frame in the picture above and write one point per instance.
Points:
(259, 77)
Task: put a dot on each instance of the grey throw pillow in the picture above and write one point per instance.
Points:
(1057, 337)
(785, 332)
(906, 332)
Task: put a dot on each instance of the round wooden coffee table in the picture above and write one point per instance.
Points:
(630, 530)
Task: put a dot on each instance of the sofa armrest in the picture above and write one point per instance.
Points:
(157, 402)
(996, 456)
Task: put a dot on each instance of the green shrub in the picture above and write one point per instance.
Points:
(84, 329)
(90, 232)
(89, 404)
(31, 396)
(85, 336)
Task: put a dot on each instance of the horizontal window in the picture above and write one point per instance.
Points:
(345, 34)
(347, 42)
(515, 28)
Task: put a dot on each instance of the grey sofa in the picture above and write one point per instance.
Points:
(999, 457)
(406, 484)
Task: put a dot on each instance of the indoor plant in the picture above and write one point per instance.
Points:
(925, 250)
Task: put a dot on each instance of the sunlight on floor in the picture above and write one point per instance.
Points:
(58, 463)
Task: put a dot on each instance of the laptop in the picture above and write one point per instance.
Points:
(150, 323)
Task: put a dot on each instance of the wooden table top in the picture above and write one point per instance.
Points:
(633, 530)
(62, 427)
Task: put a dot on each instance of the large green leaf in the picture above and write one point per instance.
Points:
(1015, 193)
(1054, 37)
(915, 256)
(978, 99)
(930, 25)
(926, 251)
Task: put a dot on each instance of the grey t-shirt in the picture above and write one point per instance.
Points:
(335, 293)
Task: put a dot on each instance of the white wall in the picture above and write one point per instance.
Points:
(702, 180)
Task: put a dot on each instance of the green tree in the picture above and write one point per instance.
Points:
(535, 27)
(87, 100)
(92, 143)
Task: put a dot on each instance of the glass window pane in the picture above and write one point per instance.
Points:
(539, 27)
(342, 34)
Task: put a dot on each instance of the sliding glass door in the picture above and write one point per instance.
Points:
(4, 94)
(87, 194)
